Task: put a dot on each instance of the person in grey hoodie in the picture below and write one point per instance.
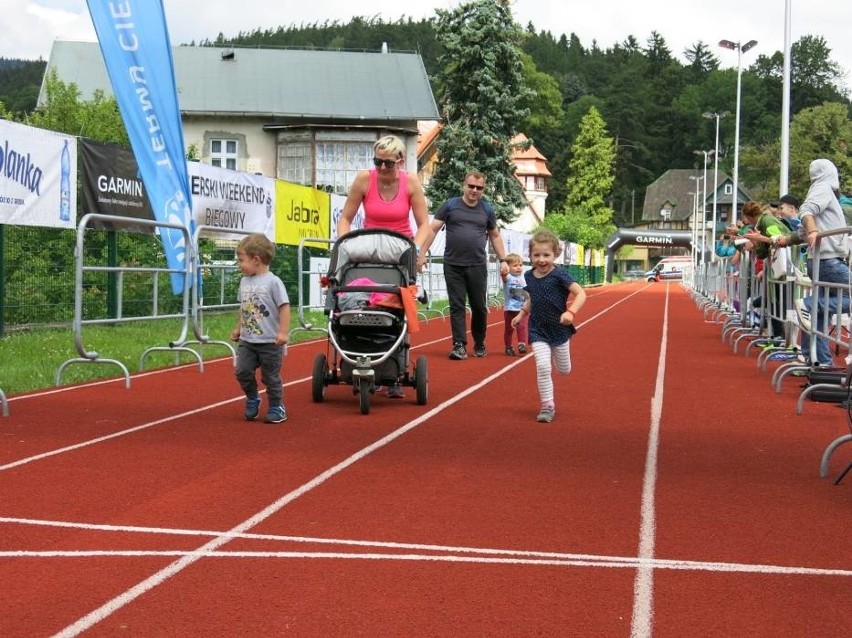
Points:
(819, 213)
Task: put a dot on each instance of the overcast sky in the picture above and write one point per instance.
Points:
(30, 26)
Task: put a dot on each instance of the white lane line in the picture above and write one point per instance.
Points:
(484, 556)
(110, 607)
(144, 426)
(115, 435)
(643, 585)
(162, 575)
(661, 563)
(447, 558)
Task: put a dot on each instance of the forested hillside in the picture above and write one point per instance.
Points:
(20, 81)
(651, 102)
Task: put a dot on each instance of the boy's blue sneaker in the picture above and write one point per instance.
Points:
(276, 414)
(252, 408)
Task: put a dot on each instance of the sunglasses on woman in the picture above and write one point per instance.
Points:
(379, 162)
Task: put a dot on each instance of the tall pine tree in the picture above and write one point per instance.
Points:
(587, 219)
(481, 93)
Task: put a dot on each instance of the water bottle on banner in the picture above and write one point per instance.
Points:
(65, 185)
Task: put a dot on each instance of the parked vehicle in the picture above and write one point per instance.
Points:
(669, 268)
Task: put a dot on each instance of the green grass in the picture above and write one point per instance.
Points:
(30, 360)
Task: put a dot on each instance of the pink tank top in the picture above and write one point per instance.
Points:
(391, 214)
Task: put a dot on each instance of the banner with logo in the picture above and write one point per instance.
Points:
(38, 177)
(112, 185)
(301, 212)
(337, 202)
(224, 200)
(135, 44)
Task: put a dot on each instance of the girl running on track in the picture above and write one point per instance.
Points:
(553, 300)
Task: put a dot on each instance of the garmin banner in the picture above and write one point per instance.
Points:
(224, 200)
(112, 184)
(38, 177)
(134, 41)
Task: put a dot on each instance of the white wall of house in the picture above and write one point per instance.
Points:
(255, 148)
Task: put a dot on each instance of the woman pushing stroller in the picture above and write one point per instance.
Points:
(390, 196)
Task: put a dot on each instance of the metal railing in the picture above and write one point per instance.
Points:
(81, 268)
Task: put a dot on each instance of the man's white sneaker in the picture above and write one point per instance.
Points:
(804, 315)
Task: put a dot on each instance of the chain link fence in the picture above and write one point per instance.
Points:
(38, 269)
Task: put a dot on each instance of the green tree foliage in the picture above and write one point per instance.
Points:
(20, 81)
(481, 92)
(362, 33)
(39, 260)
(821, 131)
(586, 218)
(97, 119)
(651, 102)
(544, 103)
(701, 61)
(814, 77)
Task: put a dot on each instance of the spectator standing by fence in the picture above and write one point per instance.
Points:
(821, 212)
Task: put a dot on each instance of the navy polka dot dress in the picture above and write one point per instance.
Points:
(548, 299)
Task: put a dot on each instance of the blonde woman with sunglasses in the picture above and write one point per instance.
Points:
(389, 194)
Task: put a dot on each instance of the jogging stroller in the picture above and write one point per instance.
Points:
(371, 273)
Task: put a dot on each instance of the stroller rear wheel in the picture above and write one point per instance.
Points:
(319, 378)
(421, 380)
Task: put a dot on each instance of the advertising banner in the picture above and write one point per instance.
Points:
(231, 200)
(111, 183)
(38, 177)
(134, 41)
(337, 202)
(301, 212)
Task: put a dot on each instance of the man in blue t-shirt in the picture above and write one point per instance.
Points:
(469, 222)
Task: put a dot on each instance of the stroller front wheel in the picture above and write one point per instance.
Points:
(364, 391)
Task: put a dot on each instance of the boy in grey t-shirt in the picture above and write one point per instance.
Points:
(263, 328)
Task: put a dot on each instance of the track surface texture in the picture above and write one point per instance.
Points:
(675, 494)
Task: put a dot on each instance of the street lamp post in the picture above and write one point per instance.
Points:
(694, 250)
(740, 49)
(717, 116)
(704, 256)
(700, 259)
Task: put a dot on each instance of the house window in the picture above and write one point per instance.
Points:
(294, 163)
(329, 164)
(339, 162)
(729, 188)
(224, 153)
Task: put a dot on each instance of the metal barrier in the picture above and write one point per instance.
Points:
(90, 357)
(825, 324)
(731, 294)
(200, 298)
(4, 404)
(432, 281)
(312, 277)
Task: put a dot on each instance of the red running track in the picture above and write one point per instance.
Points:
(675, 494)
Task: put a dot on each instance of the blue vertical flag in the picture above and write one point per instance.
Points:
(134, 41)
